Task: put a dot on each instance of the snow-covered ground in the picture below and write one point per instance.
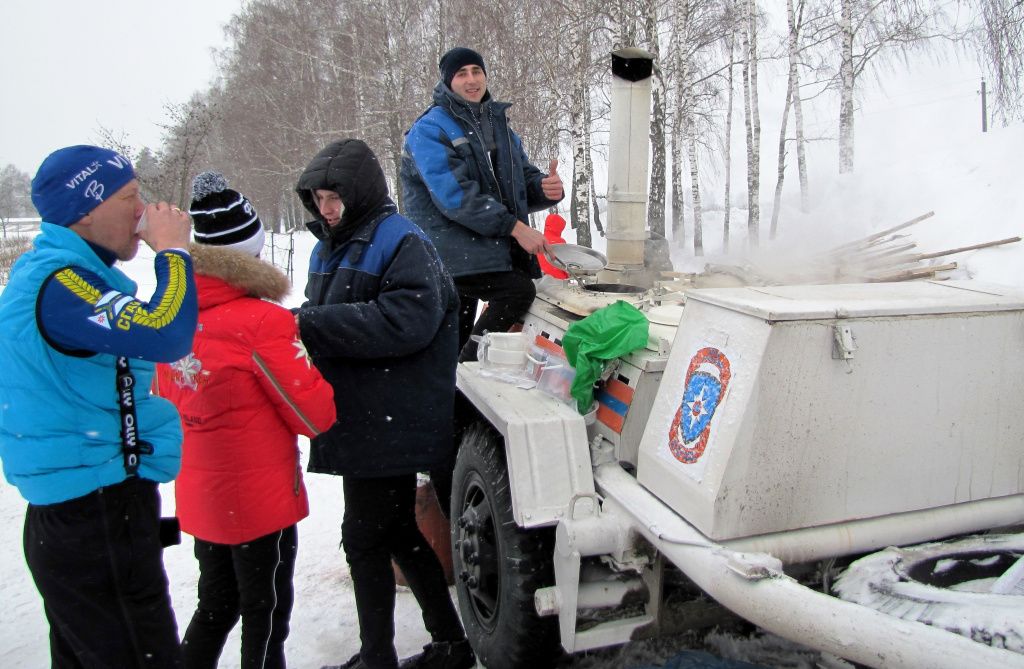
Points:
(912, 158)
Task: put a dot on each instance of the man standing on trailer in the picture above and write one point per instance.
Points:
(467, 181)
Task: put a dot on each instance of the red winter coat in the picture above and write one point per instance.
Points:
(244, 393)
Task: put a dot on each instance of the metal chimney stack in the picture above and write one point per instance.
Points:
(628, 153)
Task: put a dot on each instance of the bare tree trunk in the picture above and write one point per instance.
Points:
(579, 121)
(1000, 36)
(801, 147)
(681, 77)
(623, 17)
(698, 216)
(798, 127)
(728, 143)
(780, 174)
(442, 21)
(656, 197)
(748, 118)
(791, 94)
(395, 132)
(754, 167)
(593, 197)
(846, 75)
(676, 177)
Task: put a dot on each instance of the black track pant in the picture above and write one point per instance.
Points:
(380, 525)
(251, 581)
(508, 296)
(98, 564)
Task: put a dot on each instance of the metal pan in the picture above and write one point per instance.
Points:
(577, 259)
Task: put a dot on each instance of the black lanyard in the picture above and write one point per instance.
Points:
(131, 445)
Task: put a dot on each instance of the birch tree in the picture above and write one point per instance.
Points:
(680, 71)
(184, 143)
(580, 37)
(731, 89)
(1000, 37)
(752, 121)
(390, 50)
(847, 78)
(623, 15)
(865, 30)
(792, 97)
(283, 96)
(799, 135)
(656, 192)
(699, 27)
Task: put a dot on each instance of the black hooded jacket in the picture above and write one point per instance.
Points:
(380, 322)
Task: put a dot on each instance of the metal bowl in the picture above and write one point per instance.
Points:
(577, 259)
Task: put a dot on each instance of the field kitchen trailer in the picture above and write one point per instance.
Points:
(765, 437)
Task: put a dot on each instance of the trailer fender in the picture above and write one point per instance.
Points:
(546, 447)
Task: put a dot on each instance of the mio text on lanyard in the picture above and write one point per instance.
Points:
(131, 445)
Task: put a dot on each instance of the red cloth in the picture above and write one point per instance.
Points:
(244, 393)
(553, 226)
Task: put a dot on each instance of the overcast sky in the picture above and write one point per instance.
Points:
(69, 67)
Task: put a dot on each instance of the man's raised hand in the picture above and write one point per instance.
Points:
(551, 185)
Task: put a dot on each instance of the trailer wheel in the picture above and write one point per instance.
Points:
(945, 584)
(498, 565)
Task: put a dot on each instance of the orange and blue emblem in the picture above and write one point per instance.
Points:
(707, 379)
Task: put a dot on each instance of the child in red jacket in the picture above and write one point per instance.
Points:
(244, 393)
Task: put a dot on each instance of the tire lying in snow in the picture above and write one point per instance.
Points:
(499, 565)
(945, 584)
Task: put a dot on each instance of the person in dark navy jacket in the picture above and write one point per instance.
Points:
(467, 181)
(381, 324)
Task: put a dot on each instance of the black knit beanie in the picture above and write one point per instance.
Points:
(456, 59)
(224, 217)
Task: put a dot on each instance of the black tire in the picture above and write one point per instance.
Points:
(498, 565)
(944, 584)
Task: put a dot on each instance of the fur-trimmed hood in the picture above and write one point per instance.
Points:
(247, 274)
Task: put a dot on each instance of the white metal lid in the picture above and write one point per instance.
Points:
(859, 300)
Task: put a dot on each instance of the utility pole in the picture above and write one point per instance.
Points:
(984, 107)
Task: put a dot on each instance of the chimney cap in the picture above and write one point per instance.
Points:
(632, 64)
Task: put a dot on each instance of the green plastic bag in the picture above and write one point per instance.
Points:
(603, 335)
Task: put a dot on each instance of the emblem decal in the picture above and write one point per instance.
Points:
(185, 371)
(707, 378)
(301, 352)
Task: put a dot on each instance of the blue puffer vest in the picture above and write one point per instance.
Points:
(59, 415)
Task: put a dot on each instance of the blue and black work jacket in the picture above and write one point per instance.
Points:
(380, 321)
(466, 198)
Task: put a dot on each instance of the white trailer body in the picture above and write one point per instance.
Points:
(817, 405)
(781, 425)
(763, 429)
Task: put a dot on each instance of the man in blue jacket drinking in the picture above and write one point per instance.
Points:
(80, 435)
